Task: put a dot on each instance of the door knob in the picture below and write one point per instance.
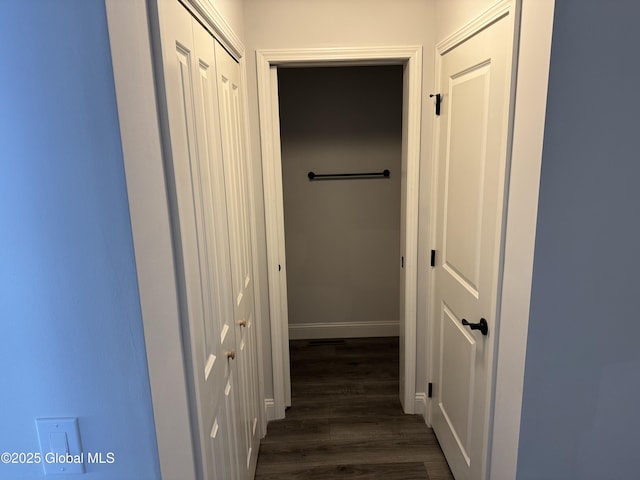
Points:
(482, 325)
(242, 323)
(231, 355)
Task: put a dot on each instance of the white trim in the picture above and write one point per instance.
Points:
(345, 56)
(536, 28)
(306, 331)
(267, 63)
(475, 26)
(413, 94)
(217, 26)
(257, 312)
(421, 405)
(274, 226)
(269, 409)
(128, 27)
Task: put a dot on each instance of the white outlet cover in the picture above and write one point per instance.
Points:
(60, 445)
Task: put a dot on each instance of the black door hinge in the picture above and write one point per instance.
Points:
(430, 390)
(402, 262)
(433, 258)
(438, 101)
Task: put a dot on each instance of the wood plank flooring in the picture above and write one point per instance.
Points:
(346, 421)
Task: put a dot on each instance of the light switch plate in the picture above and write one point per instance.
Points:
(60, 445)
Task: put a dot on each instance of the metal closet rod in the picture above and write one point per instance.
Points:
(337, 176)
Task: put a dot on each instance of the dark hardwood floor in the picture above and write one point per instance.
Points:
(346, 421)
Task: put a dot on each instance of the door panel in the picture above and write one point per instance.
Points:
(458, 354)
(216, 271)
(235, 164)
(470, 185)
(468, 94)
(196, 182)
(223, 454)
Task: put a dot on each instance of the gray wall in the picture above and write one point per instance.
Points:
(580, 416)
(342, 236)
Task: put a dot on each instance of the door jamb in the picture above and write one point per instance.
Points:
(528, 121)
(128, 28)
(267, 63)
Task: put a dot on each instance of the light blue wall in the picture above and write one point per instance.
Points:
(71, 339)
(581, 409)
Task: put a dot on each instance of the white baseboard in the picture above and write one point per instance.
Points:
(308, 331)
(421, 404)
(270, 409)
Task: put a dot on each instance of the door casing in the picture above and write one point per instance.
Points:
(267, 63)
(531, 72)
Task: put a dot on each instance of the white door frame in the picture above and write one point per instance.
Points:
(531, 72)
(151, 228)
(267, 63)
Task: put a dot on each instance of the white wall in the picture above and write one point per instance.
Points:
(342, 236)
(233, 13)
(295, 24)
(580, 416)
(453, 14)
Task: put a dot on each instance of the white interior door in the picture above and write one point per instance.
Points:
(202, 247)
(235, 162)
(470, 184)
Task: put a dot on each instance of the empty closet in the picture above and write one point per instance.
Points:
(342, 232)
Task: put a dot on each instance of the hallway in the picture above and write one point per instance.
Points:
(346, 420)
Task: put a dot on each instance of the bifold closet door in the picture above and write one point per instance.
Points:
(199, 214)
(236, 174)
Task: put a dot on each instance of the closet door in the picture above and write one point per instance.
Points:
(235, 162)
(196, 181)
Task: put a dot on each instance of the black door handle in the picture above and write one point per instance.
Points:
(482, 325)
